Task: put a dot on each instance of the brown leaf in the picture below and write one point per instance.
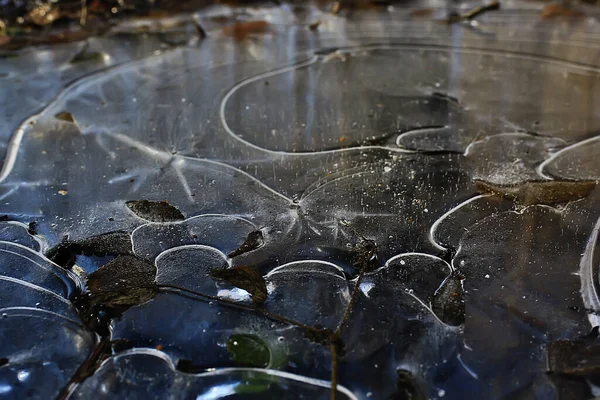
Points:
(65, 116)
(155, 211)
(540, 192)
(422, 13)
(574, 357)
(244, 277)
(554, 10)
(241, 30)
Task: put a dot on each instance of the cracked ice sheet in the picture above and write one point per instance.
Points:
(62, 201)
(31, 78)
(229, 162)
(43, 340)
(522, 279)
(144, 372)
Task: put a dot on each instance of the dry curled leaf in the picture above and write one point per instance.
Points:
(244, 277)
(155, 211)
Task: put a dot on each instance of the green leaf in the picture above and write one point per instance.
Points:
(249, 350)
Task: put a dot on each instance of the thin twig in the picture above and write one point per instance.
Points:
(268, 314)
(355, 291)
(495, 5)
(86, 369)
(334, 369)
(200, 31)
(353, 229)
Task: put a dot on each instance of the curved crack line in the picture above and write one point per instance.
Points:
(589, 285)
(473, 50)
(268, 74)
(438, 221)
(15, 141)
(168, 157)
(542, 166)
(316, 57)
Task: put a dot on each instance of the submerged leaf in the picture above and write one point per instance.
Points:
(448, 302)
(111, 243)
(254, 240)
(574, 357)
(319, 335)
(540, 192)
(124, 281)
(408, 388)
(85, 56)
(240, 30)
(65, 116)
(244, 277)
(249, 350)
(155, 211)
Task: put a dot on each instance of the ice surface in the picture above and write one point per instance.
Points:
(418, 199)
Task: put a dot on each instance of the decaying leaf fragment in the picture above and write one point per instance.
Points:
(244, 277)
